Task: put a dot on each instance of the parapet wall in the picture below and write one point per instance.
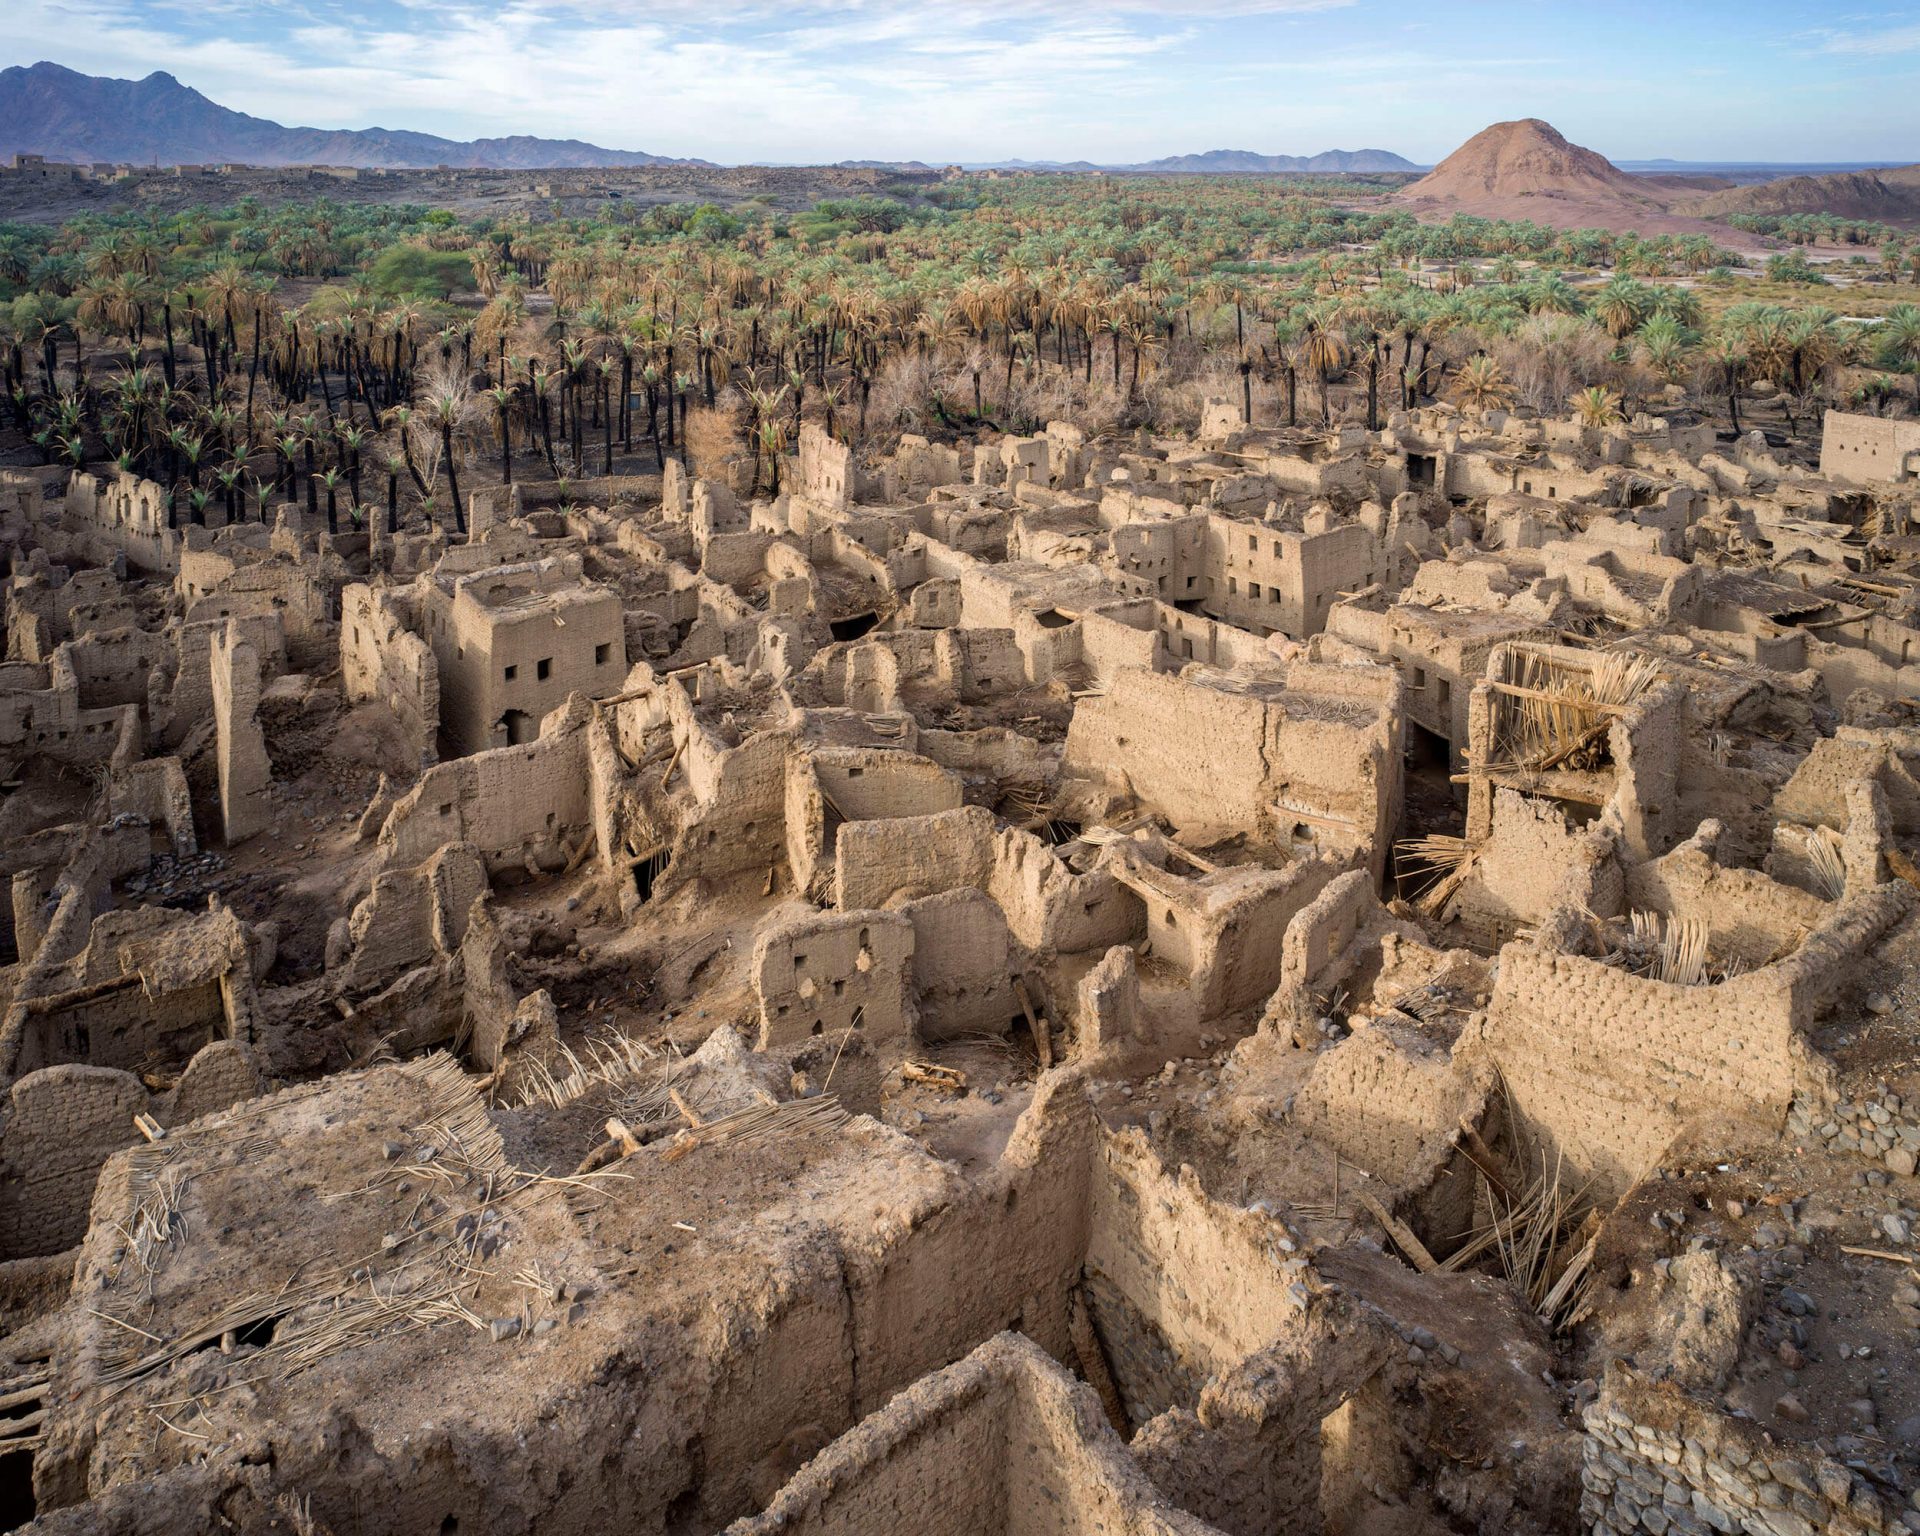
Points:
(1609, 1066)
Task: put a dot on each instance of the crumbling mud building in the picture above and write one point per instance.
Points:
(1256, 982)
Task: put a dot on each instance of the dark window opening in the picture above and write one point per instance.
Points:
(17, 1505)
(543, 668)
(647, 873)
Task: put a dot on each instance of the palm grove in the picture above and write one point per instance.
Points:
(373, 362)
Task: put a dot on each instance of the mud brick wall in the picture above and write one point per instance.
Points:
(1180, 1286)
(1532, 858)
(240, 745)
(62, 1124)
(962, 966)
(1048, 906)
(220, 1075)
(1749, 914)
(818, 975)
(741, 821)
(1609, 1066)
(1002, 1441)
(1388, 1099)
(120, 1025)
(382, 658)
(1197, 755)
(921, 854)
(511, 802)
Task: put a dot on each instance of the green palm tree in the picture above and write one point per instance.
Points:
(1597, 406)
(1664, 346)
(1621, 306)
(1900, 343)
(1726, 364)
(1482, 384)
(1327, 356)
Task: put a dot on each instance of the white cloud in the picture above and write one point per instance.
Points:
(1885, 41)
(799, 80)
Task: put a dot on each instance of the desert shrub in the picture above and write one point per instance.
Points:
(714, 437)
(409, 271)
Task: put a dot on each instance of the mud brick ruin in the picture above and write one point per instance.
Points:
(1271, 982)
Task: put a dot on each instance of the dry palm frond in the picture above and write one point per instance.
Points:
(1563, 719)
(1676, 950)
(1676, 947)
(1544, 1238)
(156, 1224)
(299, 1516)
(1025, 802)
(379, 1053)
(762, 1121)
(610, 1059)
(1828, 868)
(1449, 860)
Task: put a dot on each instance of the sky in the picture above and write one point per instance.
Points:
(979, 80)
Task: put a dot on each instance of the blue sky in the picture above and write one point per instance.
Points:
(943, 80)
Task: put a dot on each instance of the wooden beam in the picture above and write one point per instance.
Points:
(1402, 1235)
(673, 763)
(1566, 701)
(1317, 818)
(1042, 1034)
(1093, 1363)
(622, 698)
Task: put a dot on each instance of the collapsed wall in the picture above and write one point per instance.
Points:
(241, 745)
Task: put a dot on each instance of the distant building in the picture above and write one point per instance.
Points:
(1869, 450)
(512, 643)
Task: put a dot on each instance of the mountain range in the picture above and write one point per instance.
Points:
(1244, 162)
(1884, 194)
(1230, 162)
(49, 110)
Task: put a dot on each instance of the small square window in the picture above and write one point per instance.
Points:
(602, 653)
(511, 673)
(543, 668)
